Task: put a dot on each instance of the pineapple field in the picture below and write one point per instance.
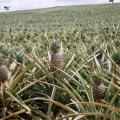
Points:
(60, 63)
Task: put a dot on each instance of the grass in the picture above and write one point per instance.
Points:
(90, 36)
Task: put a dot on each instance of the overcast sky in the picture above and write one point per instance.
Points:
(33, 4)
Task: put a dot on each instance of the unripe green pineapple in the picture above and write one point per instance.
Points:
(56, 57)
(3, 73)
(99, 90)
(19, 57)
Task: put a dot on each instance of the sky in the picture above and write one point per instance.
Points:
(34, 4)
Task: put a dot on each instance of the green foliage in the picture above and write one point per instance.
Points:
(19, 57)
(90, 44)
(116, 57)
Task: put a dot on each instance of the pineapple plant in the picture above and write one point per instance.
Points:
(116, 59)
(16, 66)
(3, 79)
(56, 57)
(86, 42)
(56, 62)
(3, 70)
(98, 90)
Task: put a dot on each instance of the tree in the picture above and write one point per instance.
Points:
(111, 1)
(6, 8)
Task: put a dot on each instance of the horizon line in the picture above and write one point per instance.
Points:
(89, 4)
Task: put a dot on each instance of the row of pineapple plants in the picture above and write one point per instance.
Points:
(75, 77)
(72, 79)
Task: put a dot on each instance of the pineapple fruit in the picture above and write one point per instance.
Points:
(3, 73)
(56, 57)
(3, 76)
(4, 53)
(98, 90)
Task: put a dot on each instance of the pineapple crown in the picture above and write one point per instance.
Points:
(116, 57)
(96, 78)
(55, 46)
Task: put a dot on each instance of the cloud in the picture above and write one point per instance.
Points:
(32, 4)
